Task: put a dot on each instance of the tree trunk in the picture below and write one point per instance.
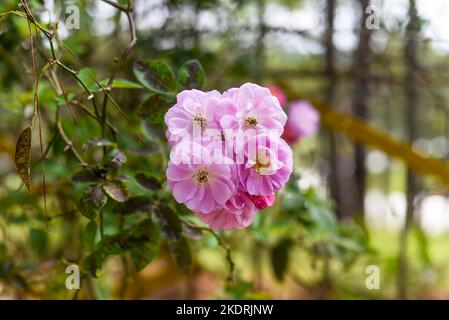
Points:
(334, 178)
(361, 98)
(411, 95)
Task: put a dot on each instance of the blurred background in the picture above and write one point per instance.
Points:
(370, 181)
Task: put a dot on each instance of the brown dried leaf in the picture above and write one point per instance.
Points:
(23, 156)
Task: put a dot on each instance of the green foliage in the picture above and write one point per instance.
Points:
(149, 182)
(141, 241)
(136, 204)
(87, 79)
(280, 257)
(325, 237)
(155, 106)
(89, 235)
(121, 84)
(172, 229)
(155, 76)
(116, 190)
(191, 75)
(92, 201)
(38, 241)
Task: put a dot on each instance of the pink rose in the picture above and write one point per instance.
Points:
(201, 181)
(278, 93)
(303, 121)
(261, 202)
(267, 164)
(194, 110)
(251, 107)
(238, 213)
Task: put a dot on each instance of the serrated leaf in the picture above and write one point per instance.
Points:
(149, 182)
(155, 76)
(155, 106)
(280, 257)
(191, 75)
(116, 190)
(97, 143)
(23, 155)
(136, 204)
(38, 241)
(91, 202)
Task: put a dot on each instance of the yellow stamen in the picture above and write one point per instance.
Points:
(202, 176)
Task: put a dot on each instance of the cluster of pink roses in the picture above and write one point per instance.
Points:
(228, 158)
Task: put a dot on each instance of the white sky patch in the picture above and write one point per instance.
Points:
(377, 162)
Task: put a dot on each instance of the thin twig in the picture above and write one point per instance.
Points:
(128, 12)
(222, 244)
(36, 107)
(69, 144)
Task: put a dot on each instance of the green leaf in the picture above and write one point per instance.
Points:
(142, 241)
(22, 157)
(155, 75)
(92, 263)
(87, 76)
(177, 243)
(149, 182)
(280, 257)
(136, 204)
(180, 250)
(116, 190)
(38, 241)
(91, 202)
(170, 222)
(155, 106)
(89, 235)
(87, 175)
(142, 255)
(121, 84)
(191, 75)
